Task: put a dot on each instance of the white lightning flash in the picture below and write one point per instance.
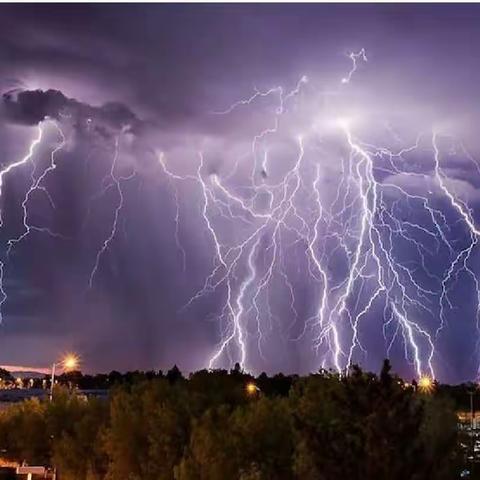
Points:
(364, 229)
(355, 57)
(372, 254)
(36, 185)
(111, 180)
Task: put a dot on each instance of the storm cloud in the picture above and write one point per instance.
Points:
(126, 82)
(30, 107)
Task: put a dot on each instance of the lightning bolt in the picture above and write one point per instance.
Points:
(354, 57)
(111, 180)
(35, 185)
(361, 227)
(373, 252)
(3, 173)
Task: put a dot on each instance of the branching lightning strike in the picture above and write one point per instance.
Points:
(35, 185)
(364, 227)
(366, 261)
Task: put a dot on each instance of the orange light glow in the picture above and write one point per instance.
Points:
(425, 384)
(251, 388)
(70, 362)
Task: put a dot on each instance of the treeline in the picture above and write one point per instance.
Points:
(277, 385)
(220, 426)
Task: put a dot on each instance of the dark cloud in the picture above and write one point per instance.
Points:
(28, 107)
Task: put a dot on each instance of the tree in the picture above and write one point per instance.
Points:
(174, 374)
(325, 426)
(23, 433)
(149, 427)
(249, 442)
(78, 454)
(209, 455)
(6, 376)
(362, 427)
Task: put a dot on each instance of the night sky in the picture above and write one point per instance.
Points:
(363, 193)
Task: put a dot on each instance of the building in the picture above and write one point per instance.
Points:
(34, 473)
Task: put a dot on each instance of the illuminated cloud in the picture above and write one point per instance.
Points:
(120, 84)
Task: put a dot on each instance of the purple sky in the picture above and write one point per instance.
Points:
(127, 85)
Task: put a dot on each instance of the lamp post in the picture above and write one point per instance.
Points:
(69, 362)
(252, 389)
(426, 384)
(471, 393)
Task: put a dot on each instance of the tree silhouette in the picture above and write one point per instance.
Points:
(324, 426)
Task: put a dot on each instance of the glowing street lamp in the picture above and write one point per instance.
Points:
(425, 384)
(69, 362)
(251, 389)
